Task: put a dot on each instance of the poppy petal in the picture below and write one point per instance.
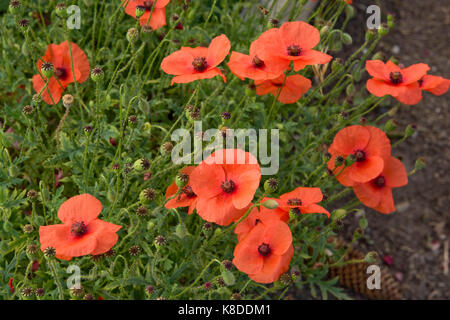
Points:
(217, 51)
(350, 139)
(300, 33)
(274, 267)
(395, 173)
(311, 57)
(186, 78)
(278, 236)
(314, 208)
(52, 94)
(414, 73)
(367, 170)
(246, 256)
(377, 69)
(81, 208)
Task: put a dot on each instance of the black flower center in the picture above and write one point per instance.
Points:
(360, 155)
(61, 73)
(396, 77)
(187, 190)
(257, 62)
(200, 64)
(148, 4)
(380, 181)
(294, 202)
(294, 50)
(264, 249)
(78, 229)
(228, 186)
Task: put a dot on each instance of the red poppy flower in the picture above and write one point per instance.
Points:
(369, 147)
(81, 233)
(265, 253)
(59, 56)
(158, 16)
(190, 64)
(390, 79)
(10, 285)
(253, 67)
(187, 197)
(293, 41)
(292, 90)
(434, 84)
(377, 193)
(302, 200)
(255, 217)
(225, 184)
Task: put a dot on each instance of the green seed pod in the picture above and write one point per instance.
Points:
(271, 185)
(181, 180)
(61, 10)
(97, 74)
(371, 34)
(350, 90)
(132, 34)
(141, 165)
(140, 10)
(15, 7)
(391, 125)
(147, 195)
(383, 29)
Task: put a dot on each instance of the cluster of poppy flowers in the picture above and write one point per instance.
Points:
(404, 84)
(221, 190)
(361, 158)
(267, 63)
(149, 12)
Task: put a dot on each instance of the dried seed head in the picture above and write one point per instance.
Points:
(27, 292)
(142, 211)
(36, 98)
(227, 264)
(77, 291)
(49, 252)
(236, 296)
(115, 166)
(226, 115)
(88, 296)
(87, 129)
(160, 241)
(207, 286)
(132, 34)
(97, 257)
(32, 194)
(32, 249)
(146, 29)
(28, 228)
(220, 282)
(23, 23)
(28, 110)
(109, 254)
(274, 22)
(133, 121)
(194, 114)
(61, 10)
(166, 148)
(67, 100)
(39, 292)
(134, 251)
(286, 279)
(149, 289)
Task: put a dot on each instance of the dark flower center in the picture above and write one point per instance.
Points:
(294, 50)
(200, 64)
(60, 73)
(264, 249)
(296, 211)
(148, 4)
(257, 62)
(420, 82)
(360, 155)
(396, 77)
(380, 181)
(187, 190)
(294, 202)
(78, 229)
(257, 221)
(228, 186)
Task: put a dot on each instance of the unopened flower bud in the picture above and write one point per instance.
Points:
(420, 164)
(390, 125)
(346, 38)
(228, 277)
(410, 130)
(270, 204)
(349, 12)
(339, 214)
(383, 29)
